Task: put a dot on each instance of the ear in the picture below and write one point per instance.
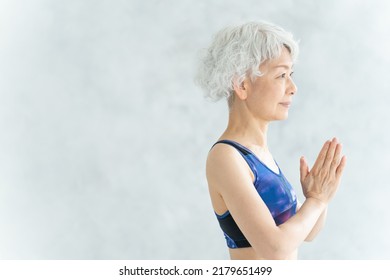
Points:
(241, 89)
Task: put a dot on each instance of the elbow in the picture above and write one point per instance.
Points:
(283, 252)
(276, 251)
(278, 255)
(278, 246)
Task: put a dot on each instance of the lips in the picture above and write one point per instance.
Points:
(285, 104)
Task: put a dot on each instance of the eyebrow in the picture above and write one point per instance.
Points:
(283, 66)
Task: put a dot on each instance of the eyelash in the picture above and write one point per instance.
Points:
(284, 75)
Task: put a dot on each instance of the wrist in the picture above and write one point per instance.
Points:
(318, 202)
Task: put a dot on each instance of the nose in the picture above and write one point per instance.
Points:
(292, 89)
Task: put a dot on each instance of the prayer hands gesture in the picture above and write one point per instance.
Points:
(322, 181)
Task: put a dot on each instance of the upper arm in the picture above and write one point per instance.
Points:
(229, 175)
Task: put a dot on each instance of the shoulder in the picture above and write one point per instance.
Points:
(224, 164)
(222, 152)
(222, 155)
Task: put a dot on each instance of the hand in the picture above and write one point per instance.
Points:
(322, 181)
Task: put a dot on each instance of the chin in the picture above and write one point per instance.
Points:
(282, 117)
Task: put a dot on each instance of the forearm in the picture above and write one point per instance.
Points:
(318, 226)
(292, 233)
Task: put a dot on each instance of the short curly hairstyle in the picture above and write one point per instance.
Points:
(237, 52)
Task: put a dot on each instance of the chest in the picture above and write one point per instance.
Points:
(267, 159)
(275, 190)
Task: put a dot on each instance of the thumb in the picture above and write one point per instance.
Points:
(304, 168)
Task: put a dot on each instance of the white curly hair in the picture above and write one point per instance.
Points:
(237, 52)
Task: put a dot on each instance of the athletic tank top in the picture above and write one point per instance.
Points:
(273, 188)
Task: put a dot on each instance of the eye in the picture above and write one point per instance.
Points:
(283, 76)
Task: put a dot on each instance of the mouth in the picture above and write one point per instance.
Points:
(285, 104)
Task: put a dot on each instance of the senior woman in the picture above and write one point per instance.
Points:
(251, 65)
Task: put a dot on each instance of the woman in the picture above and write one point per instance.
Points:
(251, 65)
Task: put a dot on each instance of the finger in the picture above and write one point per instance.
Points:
(330, 153)
(340, 168)
(336, 159)
(321, 156)
(304, 168)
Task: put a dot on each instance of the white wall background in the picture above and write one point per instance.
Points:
(103, 135)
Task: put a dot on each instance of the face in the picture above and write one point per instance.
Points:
(269, 97)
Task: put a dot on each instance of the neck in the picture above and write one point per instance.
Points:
(245, 128)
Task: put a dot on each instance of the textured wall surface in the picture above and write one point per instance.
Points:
(103, 135)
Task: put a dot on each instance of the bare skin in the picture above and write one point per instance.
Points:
(255, 104)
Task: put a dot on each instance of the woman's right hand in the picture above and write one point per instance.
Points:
(322, 181)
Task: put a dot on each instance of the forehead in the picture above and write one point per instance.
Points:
(283, 61)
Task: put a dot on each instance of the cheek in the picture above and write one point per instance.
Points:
(267, 94)
(270, 89)
(273, 95)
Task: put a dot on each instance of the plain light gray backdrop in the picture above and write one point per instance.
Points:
(104, 136)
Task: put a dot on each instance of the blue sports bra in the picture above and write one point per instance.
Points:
(273, 188)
